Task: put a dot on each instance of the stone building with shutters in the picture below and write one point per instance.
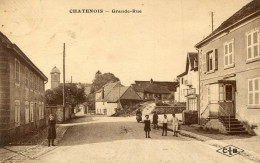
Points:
(22, 88)
(229, 71)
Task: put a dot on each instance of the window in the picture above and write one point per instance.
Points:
(229, 54)
(17, 71)
(17, 112)
(26, 78)
(192, 104)
(221, 92)
(41, 110)
(31, 118)
(252, 45)
(27, 112)
(210, 61)
(253, 91)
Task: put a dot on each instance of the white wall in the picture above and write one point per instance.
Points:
(100, 106)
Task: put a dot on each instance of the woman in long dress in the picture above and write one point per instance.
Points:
(175, 123)
(51, 130)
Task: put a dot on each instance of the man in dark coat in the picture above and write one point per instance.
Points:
(51, 130)
(155, 120)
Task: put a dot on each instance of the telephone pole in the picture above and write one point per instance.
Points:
(64, 82)
(212, 20)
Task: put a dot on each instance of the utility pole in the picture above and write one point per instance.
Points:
(63, 82)
(212, 21)
(71, 79)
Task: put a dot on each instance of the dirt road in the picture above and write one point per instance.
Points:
(107, 139)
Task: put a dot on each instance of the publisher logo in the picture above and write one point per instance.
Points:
(230, 150)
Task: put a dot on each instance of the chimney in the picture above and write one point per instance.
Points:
(151, 81)
(103, 93)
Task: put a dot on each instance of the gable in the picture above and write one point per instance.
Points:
(130, 94)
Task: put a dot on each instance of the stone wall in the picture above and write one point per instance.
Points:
(58, 112)
(169, 109)
(4, 96)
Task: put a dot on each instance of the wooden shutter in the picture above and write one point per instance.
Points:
(215, 54)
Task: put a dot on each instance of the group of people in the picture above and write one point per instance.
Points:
(147, 124)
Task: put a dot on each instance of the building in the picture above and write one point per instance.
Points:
(22, 88)
(229, 68)
(113, 97)
(188, 86)
(55, 77)
(150, 90)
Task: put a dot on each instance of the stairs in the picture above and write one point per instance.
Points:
(236, 127)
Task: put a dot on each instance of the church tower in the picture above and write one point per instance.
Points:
(55, 77)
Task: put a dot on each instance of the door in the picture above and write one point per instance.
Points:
(105, 111)
(230, 99)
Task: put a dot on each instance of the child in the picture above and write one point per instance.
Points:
(175, 123)
(165, 122)
(147, 127)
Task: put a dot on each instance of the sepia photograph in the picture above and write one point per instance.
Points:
(132, 81)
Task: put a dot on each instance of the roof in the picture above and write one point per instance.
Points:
(108, 88)
(192, 58)
(247, 12)
(122, 93)
(145, 86)
(17, 51)
(55, 70)
(115, 94)
(158, 89)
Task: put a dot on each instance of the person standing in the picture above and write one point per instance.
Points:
(175, 125)
(147, 126)
(51, 130)
(155, 120)
(165, 123)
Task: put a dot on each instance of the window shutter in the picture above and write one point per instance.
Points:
(204, 66)
(216, 58)
(233, 53)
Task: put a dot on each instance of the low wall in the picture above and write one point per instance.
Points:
(58, 112)
(169, 109)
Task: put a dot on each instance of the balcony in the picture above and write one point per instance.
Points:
(191, 91)
(188, 82)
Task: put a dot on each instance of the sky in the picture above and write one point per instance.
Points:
(136, 46)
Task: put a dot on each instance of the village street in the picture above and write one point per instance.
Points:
(119, 139)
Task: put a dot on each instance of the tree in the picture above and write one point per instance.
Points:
(74, 95)
(99, 81)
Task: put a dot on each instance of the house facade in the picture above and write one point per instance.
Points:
(151, 90)
(22, 88)
(113, 97)
(229, 68)
(188, 87)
